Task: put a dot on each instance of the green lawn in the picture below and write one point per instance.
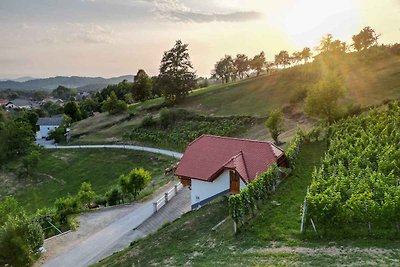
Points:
(271, 239)
(61, 172)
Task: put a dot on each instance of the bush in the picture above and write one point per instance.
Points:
(66, 206)
(20, 235)
(101, 200)
(165, 118)
(148, 121)
(114, 106)
(245, 202)
(298, 95)
(294, 149)
(58, 135)
(114, 196)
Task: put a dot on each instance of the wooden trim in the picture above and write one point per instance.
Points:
(186, 181)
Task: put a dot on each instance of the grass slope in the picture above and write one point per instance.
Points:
(62, 172)
(271, 239)
(370, 78)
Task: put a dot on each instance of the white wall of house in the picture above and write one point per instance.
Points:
(242, 184)
(202, 190)
(45, 129)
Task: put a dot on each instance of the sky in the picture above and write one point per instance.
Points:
(44, 38)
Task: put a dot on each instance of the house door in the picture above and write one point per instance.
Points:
(234, 182)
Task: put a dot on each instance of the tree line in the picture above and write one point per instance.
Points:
(231, 68)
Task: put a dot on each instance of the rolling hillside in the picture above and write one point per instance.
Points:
(368, 82)
(86, 83)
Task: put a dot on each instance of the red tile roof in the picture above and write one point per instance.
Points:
(3, 102)
(208, 156)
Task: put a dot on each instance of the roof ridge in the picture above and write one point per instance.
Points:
(235, 138)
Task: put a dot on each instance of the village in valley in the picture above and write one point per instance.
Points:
(216, 150)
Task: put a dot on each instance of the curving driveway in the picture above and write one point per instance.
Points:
(50, 145)
(104, 236)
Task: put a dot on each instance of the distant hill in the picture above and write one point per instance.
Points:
(87, 83)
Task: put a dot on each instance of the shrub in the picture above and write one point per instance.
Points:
(298, 95)
(114, 196)
(134, 182)
(245, 202)
(165, 118)
(148, 121)
(58, 135)
(294, 148)
(20, 234)
(66, 206)
(86, 194)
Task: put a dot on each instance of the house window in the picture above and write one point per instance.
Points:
(48, 128)
(197, 198)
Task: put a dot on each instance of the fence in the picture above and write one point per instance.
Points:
(167, 197)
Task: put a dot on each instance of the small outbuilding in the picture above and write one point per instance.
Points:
(46, 125)
(213, 166)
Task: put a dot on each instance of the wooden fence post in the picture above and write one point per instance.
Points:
(166, 197)
(303, 216)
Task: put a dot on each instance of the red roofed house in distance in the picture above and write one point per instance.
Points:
(213, 166)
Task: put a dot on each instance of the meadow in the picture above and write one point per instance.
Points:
(61, 172)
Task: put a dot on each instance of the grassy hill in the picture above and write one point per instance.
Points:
(370, 78)
(272, 238)
(61, 172)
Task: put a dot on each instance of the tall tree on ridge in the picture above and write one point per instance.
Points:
(177, 77)
(258, 62)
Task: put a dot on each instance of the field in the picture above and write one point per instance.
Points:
(271, 239)
(61, 172)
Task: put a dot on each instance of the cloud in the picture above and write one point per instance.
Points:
(70, 33)
(175, 10)
(92, 33)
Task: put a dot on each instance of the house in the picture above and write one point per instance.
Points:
(52, 100)
(3, 102)
(19, 103)
(47, 125)
(213, 166)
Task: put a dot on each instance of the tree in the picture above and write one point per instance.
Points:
(365, 39)
(114, 106)
(86, 194)
(156, 87)
(31, 162)
(20, 235)
(64, 92)
(224, 69)
(177, 77)
(72, 110)
(322, 99)
(134, 182)
(330, 46)
(282, 58)
(274, 124)
(15, 139)
(242, 64)
(31, 117)
(165, 117)
(258, 63)
(142, 86)
(306, 54)
(296, 57)
(58, 134)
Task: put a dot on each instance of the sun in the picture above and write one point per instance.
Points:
(305, 20)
